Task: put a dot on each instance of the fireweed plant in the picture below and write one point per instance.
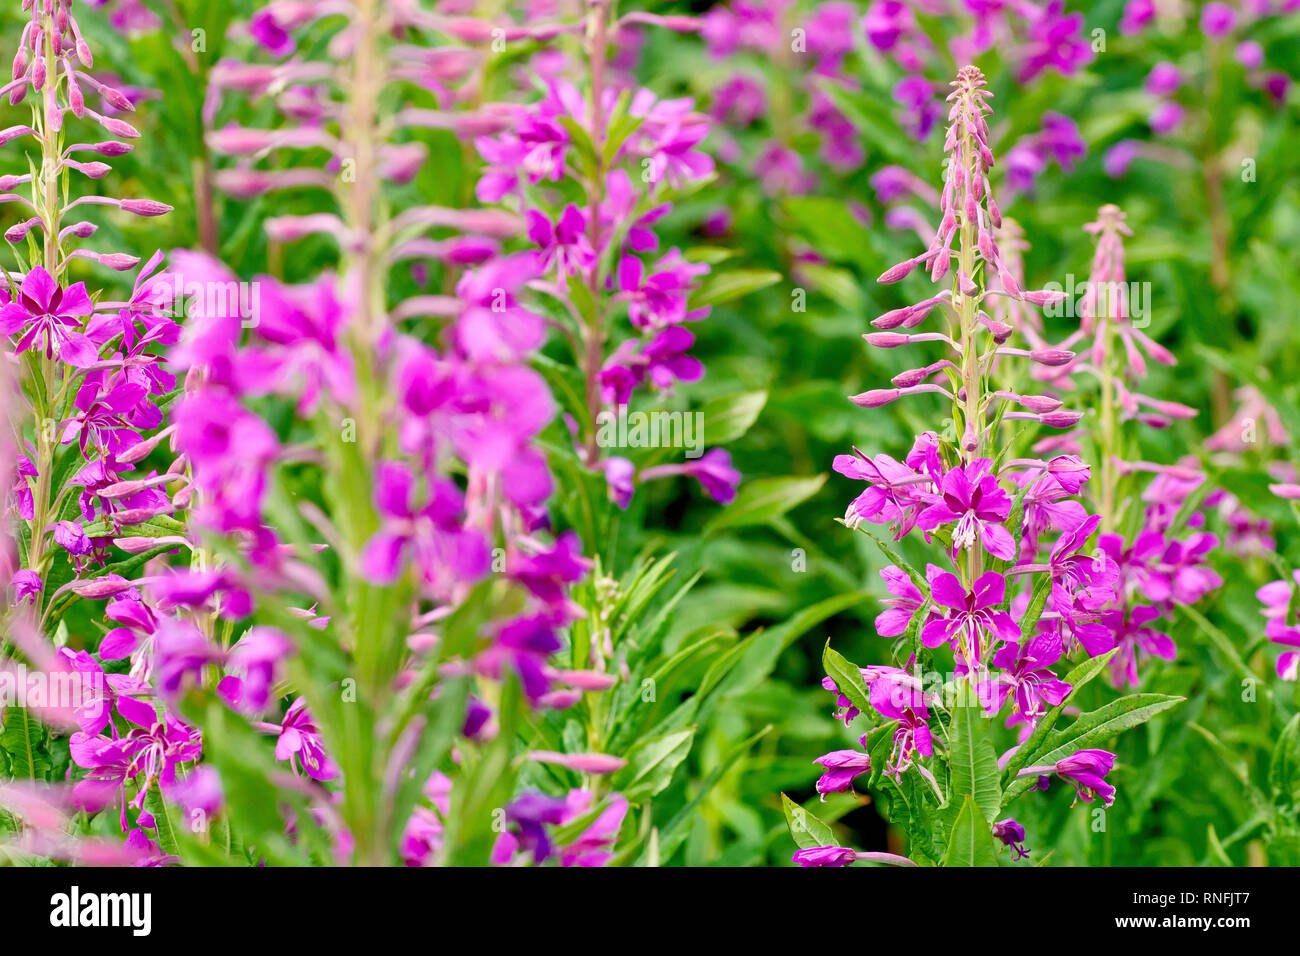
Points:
(371, 640)
(89, 415)
(1020, 588)
(1155, 534)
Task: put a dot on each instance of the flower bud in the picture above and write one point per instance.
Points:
(145, 207)
(1061, 419)
(1044, 297)
(876, 397)
(1053, 358)
(887, 340)
(19, 232)
(116, 99)
(897, 273)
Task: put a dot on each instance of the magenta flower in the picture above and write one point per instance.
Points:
(1164, 79)
(896, 695)
(525, 645)
(530, 817)
(1054, 41)
(825, 856)
(299, 742)
(181, 652)
(662, 360)
(1048, 505)
(108, 767)
(714, 473)
(564, 243)
(1086, 770)
(1218, 20)
(231, 449)
(547, 574)
(267, 30)
(886, 22)
(972, 615)
(1166, 118)
(1087, 582)
(904, 601)
(620, 203)
(1012, 834)
(1131, 633)
(922, 108)
(1027, 674)
(1137, 14)
(256, 656)
(156, 747)
(48, 315)
(301, 349)
(841, 767)
(1276, 596)
(593, 847)
(973, 498)
(620, 479)
(26, 586)
(101, 417)
(659, 299)
(893, 495)
(431, 536)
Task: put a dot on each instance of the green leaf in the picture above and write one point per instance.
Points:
(888, 550)
(763, 499)
(674, 832)
(971, 843)
(729, 417)
(832, 230)
(652, 763)
(806, 829)
(764, 649)
(24, 739)
(1225, 647)
(974, 763)
(725, 286)
(1284, 768)
(157, 805)
(1091, 730)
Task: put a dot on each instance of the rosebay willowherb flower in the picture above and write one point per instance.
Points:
(90, 413)
(93, 381)
(1018, 588)
(1163, 561)
(631, 154)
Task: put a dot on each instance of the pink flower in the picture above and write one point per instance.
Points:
(1087, 770)
(659, 299)
(972, 615)
(825, 855)
(841, 767)
(47, 314)
(972, 497)
(1027, 674)
(430, 536)
(300, 742)
(564, 243)
(905, 600)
